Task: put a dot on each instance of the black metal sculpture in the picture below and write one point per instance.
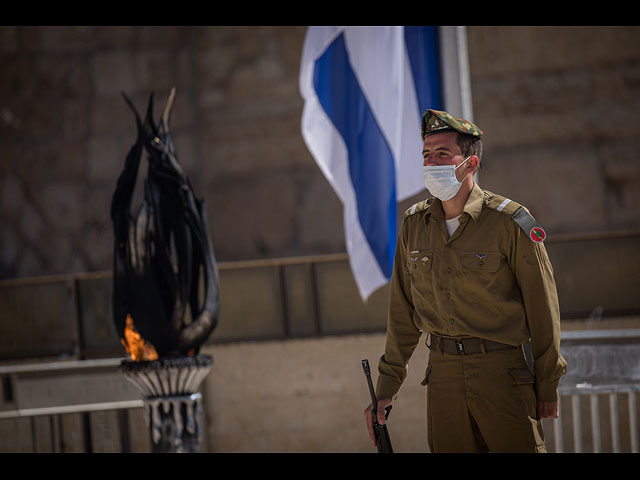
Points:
(163, 254)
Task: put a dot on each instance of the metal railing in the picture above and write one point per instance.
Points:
(594, 392)
(70, 406)
(598, 396)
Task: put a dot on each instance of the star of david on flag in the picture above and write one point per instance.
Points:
(364, 92)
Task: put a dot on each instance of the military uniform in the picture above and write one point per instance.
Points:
(480, 294)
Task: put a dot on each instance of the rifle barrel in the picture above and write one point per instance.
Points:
(372, 392)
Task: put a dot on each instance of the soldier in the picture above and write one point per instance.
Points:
(471, 271)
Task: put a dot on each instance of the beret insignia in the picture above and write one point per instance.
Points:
(435, 121)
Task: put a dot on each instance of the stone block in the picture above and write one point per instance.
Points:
(11, 196)
(61, 204)
(165, 37)
(56, 160)
(31, 223)
(10, 247)
(559, 184)
(112, 72)
(96, 204)
(251, 218)
(621, 177)
(242, 146)
(62, 77)
(112, 116)
(61, 247)
(37, 118)
(508, 50)
(98, 253)
(73, 119)
(212, 66)
(528, 95)
(8, 39)
(29, 263)
(66, 39)
(320, 223)
(106, 156)
(111, 37)
(159, 70)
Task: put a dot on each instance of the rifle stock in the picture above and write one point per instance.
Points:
(383, 441)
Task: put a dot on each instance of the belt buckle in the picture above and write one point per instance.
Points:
(459, 346)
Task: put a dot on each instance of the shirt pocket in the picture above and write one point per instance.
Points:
(481, 261)
(419, 262)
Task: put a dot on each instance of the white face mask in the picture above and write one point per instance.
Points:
(441, 180)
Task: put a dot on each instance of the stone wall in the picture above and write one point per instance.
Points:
(558, 106)
(65, 130)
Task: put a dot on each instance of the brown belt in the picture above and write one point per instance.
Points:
(466, 346)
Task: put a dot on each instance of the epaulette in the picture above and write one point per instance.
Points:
(518, 213)
(418, 207)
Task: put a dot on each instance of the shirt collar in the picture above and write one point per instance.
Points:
(473, 206)
(474, 203)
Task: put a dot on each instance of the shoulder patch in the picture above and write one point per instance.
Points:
(526, 221)
(418, 207)
(500, 203)
(518, 213)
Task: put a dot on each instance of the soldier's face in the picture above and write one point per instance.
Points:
(441, 149)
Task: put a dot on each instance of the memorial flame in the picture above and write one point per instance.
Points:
(165, 279)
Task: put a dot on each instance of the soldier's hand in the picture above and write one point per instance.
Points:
(383, 403)
(547, 410)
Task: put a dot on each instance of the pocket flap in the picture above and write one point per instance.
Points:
(521, 375)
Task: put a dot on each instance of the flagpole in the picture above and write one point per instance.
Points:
(454, 64)
(465, 77)
(456, 78)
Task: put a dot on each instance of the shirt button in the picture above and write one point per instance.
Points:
(448, 269)
(451, 321)
(448, 295)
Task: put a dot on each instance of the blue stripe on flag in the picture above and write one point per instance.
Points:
(422, 48)
(371, 164)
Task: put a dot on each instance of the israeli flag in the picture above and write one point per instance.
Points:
(364, 91)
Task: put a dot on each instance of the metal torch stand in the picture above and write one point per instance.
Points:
(173, 408)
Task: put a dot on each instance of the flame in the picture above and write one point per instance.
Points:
(134, 344)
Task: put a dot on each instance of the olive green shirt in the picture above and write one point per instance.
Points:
(488, 280)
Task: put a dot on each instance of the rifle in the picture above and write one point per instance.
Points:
(383, 441)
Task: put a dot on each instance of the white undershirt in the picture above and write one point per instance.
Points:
(452, 224)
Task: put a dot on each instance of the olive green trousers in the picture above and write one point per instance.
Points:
(482, 402)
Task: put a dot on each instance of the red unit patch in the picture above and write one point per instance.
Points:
(537, 234)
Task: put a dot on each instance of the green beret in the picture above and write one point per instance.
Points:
(435, 121)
